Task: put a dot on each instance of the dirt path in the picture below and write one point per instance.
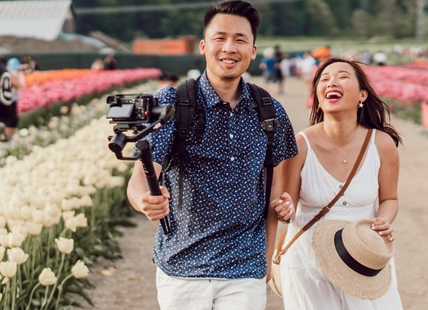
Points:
(132, 285)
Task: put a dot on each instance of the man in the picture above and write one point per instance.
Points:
(216, 255)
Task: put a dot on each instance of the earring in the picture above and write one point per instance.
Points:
(360, 104)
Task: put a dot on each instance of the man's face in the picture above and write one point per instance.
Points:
(228, 47)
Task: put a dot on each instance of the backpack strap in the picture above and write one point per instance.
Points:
(186, 107)
(268, 122)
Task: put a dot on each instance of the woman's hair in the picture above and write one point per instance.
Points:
(374, 112)
(234, 7)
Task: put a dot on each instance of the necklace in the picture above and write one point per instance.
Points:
(344, 158)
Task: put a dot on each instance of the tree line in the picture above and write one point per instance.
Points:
(344, 18)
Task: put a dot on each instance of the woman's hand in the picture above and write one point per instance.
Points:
(283, 206)
(383, 227)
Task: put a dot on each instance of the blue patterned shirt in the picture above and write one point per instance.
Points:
(220, 231)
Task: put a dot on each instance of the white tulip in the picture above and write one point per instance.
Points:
(39, 216)
(17, 255)
(34, 229)
(8, 269)
(52, 220)
(2, 222)
(47, 277)
(2, 249)
(79, 270)
(86, 201)
(26, 213)
(65, 245)
(67, 215)
(12, 240)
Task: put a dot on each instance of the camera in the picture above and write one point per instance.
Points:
(131, 108)
(140, 113)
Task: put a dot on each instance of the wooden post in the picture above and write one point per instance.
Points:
(424, 113)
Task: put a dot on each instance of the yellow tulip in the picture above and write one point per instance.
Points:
(65, 245)
(79, 270)
(47, 277)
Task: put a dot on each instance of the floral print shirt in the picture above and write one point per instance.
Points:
(220, 231)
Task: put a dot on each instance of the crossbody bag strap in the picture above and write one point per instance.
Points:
(277, 258)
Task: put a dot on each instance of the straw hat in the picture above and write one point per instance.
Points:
(361, 269)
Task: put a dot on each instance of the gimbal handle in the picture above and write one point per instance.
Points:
(147, 160)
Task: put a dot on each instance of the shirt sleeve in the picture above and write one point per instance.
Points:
(162, 140)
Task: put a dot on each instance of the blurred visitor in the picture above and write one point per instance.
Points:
(380, 58)
(285, 67)
(168, 79)
(29, 65)
(110, 63)
(196, 71)
(321, 54)
(267, 64)
(278, 72)
(306, 66)
(97, 65)
(12, 80)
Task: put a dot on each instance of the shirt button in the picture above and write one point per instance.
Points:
(231, 136)
(232, 158)
(344, 203)
(340, 186)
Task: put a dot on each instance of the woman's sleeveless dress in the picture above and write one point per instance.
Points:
(305, 287)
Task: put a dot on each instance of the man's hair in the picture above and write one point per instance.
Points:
(234, 7)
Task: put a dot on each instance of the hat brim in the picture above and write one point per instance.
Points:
(339, 273)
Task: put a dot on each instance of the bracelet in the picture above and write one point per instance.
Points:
(289, 221)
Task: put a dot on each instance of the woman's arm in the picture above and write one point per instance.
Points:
(388, 184)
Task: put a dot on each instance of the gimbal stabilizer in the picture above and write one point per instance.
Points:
(141, 114)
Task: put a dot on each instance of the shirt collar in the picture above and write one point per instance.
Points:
(212, 98)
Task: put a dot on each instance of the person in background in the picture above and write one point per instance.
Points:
(29, 65)
(279, 78)
(110, 63)
(97, 64)
(216, 254)
(345, 107)
(321, 54)
(380, 58)
(285, 67)
(10, 94)
(268, 66)
(168, 79)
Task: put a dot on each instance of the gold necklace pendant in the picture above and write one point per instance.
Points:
(344, 161)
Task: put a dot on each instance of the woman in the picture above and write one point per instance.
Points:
(345, 107)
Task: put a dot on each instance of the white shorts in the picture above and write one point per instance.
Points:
(209, 294)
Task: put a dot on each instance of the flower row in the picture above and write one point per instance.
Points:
(65, 90)
(407, 85)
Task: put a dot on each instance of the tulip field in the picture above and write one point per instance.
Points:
(63, 192)
(404, 88)
(62, 201)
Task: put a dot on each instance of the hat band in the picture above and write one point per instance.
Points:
(349, 260)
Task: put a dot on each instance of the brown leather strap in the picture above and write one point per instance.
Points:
(279, 252)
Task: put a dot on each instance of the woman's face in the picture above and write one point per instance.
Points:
(338, 88)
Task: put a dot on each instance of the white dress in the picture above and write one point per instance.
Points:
(305, 287)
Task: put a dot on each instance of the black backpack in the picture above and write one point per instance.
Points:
(185, 111)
